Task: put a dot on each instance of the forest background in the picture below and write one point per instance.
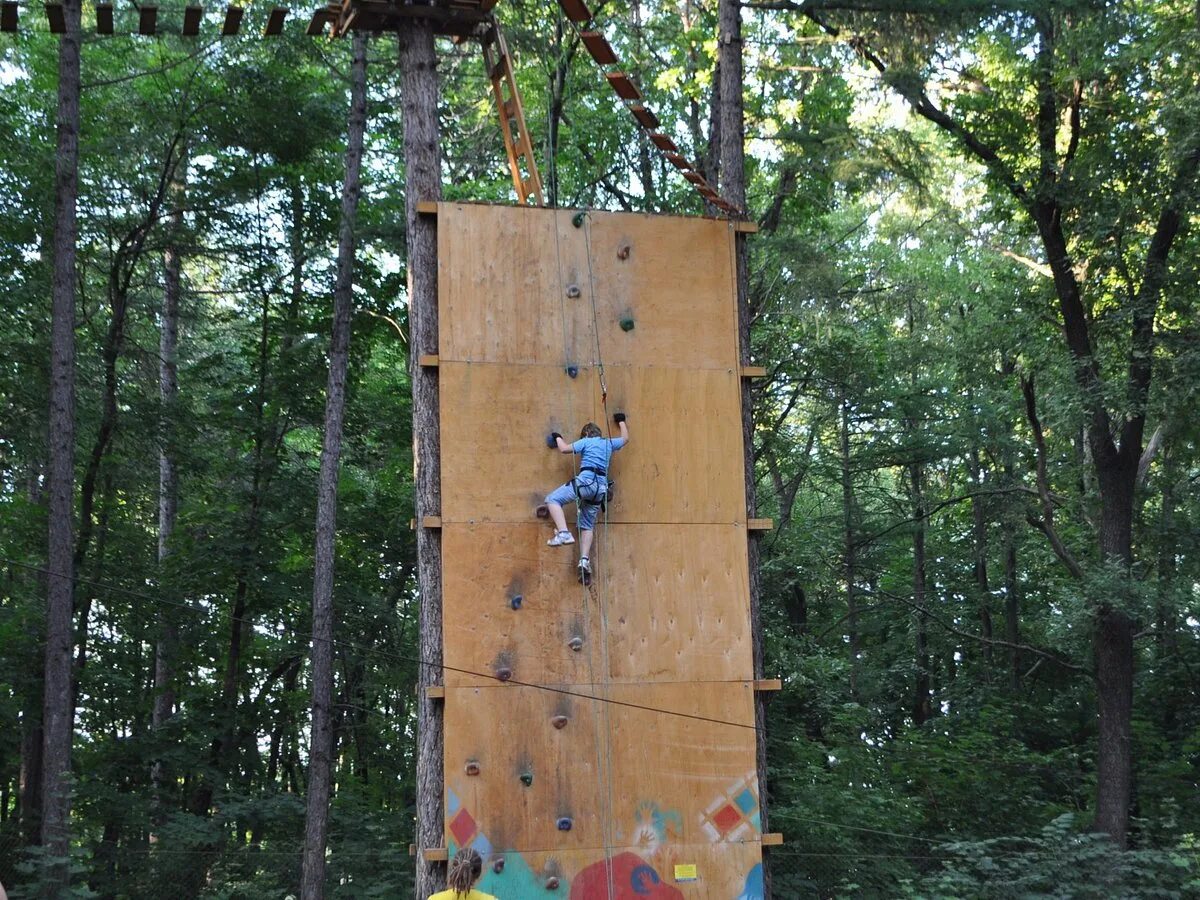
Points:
(974, 290)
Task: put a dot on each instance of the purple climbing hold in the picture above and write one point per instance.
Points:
(504, 673)
(498, 864)
(559, 722)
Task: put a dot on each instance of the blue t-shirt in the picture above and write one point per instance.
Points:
(596, 452)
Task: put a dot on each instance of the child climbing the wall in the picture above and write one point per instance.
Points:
(588, 489)
(465, 869)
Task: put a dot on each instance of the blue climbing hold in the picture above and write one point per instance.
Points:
(573, 371)
(516, 601)
(564, 824)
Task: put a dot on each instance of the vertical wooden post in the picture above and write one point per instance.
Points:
(419, 106)
(731, 121)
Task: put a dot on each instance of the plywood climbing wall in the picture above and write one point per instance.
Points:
(616, 759)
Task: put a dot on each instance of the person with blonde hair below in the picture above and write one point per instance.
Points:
(465, 869)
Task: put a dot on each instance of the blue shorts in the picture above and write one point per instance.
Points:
(590, 485)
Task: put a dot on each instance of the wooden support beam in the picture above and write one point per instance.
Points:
(316, 25)
(55, 18)
(104, 18)
(769, 684)
(599, 47)
(427, 208)
(191, 20)
(435, 692)
(625, 88)
(772, 839)
(754, 371)
(430, 854)
(275, 21)
(760, 524)
(233, 21)
(428, 360)
(427, 522)
(645, 117)
(147, 20)
(576, 10)
(678, 161)
(8, 17)
(745, 227)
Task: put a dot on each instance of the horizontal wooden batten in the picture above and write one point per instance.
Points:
(147, 20)
(767, 685)
(760, 524)
(428, 360)
(275, 21)
(191, 20)
(427, 207)
(599, 47)
(772, 839)
(754, 371)
(55, 18)
(625, 88)
(104, 18)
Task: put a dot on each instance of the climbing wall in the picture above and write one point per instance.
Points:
(599, 741)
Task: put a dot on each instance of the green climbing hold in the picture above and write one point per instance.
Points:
(627, 323)
(577, 219)
(527, 778)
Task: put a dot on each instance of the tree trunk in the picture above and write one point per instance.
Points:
(731, 115)
(980, 553)
(56, 712)
(419, 102)
(316, 815)
(849, 558)
(1012, 607)
(922, 704)
(166, 647)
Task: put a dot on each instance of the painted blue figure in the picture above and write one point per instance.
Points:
(587, 490)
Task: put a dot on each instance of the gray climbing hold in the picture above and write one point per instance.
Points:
(552, 883)
(573, 291)
(575, 643)
(498, 864)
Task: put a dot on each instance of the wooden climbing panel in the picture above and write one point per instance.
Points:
(599, 741)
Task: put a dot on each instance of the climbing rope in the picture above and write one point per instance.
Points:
(600, 581)
(601, 727)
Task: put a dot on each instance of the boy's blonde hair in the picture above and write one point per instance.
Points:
(591, 429)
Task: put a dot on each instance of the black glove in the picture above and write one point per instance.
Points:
(618, 418)
(552, 440)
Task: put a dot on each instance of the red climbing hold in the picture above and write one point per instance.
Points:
(472, 767)
(559, 722)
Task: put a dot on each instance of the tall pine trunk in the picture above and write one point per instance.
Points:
(732, 180)
(167, 645)
(849, 549)
(56, 711)
(419, 102)
(316, 815)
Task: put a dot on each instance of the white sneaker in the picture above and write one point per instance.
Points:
(561, 539)
(585, 564)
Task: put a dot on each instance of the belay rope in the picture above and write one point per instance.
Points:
(601, 725)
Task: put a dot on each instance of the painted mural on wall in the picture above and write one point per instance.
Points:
(733, 815)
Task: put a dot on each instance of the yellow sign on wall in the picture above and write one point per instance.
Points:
(685, 873)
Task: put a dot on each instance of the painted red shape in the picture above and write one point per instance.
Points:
(462, 826)
(632, 879)
(727, 818)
